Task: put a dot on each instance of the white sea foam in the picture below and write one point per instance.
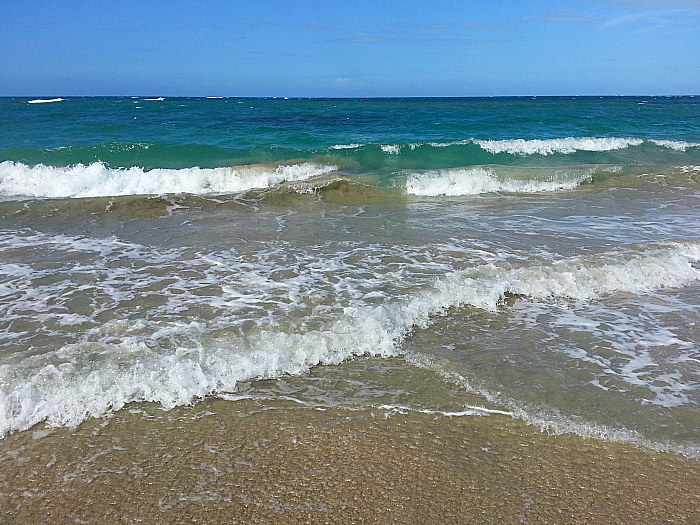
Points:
(525, 147)
(574, 278)
(45, 100)
(477, 180)
(552, 146)
(676, 145)
(96, 180)
(448, 144)
(469, 410)
(67, 386)
(391, 149)
(164, 357)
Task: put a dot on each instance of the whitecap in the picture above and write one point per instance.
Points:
(98, 180)
(552, 146)
(479, 180)
(45, 100)
(676, 145)
(391, 149)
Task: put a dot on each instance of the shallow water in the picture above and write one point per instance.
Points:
(276, 459)
(538, 254)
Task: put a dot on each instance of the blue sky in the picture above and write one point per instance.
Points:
(349, 48)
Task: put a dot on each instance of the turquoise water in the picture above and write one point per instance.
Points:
(538, 255)
(180, 133)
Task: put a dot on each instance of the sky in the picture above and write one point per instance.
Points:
(349, 48)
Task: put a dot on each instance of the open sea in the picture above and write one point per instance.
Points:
(535, 260)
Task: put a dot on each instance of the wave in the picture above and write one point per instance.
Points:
(318, 179)
(173, 362)
(98, 180)
(552, 146)
(677, 145)
(359, 190)
(578, 278)
(513, 152)
(45, 100)
(544, 147)
(367, 158)
(478, 180)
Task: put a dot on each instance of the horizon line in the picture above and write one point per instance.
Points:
(348, 97)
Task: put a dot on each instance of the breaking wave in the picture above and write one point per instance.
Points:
(173, 361)
(552, 146)
(478, 180)
(98, 180)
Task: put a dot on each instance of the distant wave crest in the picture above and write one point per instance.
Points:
(544, 147)
(552, 146)
(676, 145)
(45, 100)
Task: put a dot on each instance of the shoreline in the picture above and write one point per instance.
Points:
(235, 462)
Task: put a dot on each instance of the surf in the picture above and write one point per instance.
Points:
(160, 356)
(495, 179)
(99, 180)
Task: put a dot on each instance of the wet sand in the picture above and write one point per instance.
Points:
(226, 462)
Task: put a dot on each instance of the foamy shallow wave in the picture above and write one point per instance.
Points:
(552, 146)
(478, 180)
(74, 389)
(98, 180)
(173, 362)
(577, 278)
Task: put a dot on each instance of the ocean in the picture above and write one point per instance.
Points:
(524, 266)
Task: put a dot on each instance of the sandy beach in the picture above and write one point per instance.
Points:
(226, 462)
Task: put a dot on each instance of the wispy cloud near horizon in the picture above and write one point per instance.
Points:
(649, 20)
